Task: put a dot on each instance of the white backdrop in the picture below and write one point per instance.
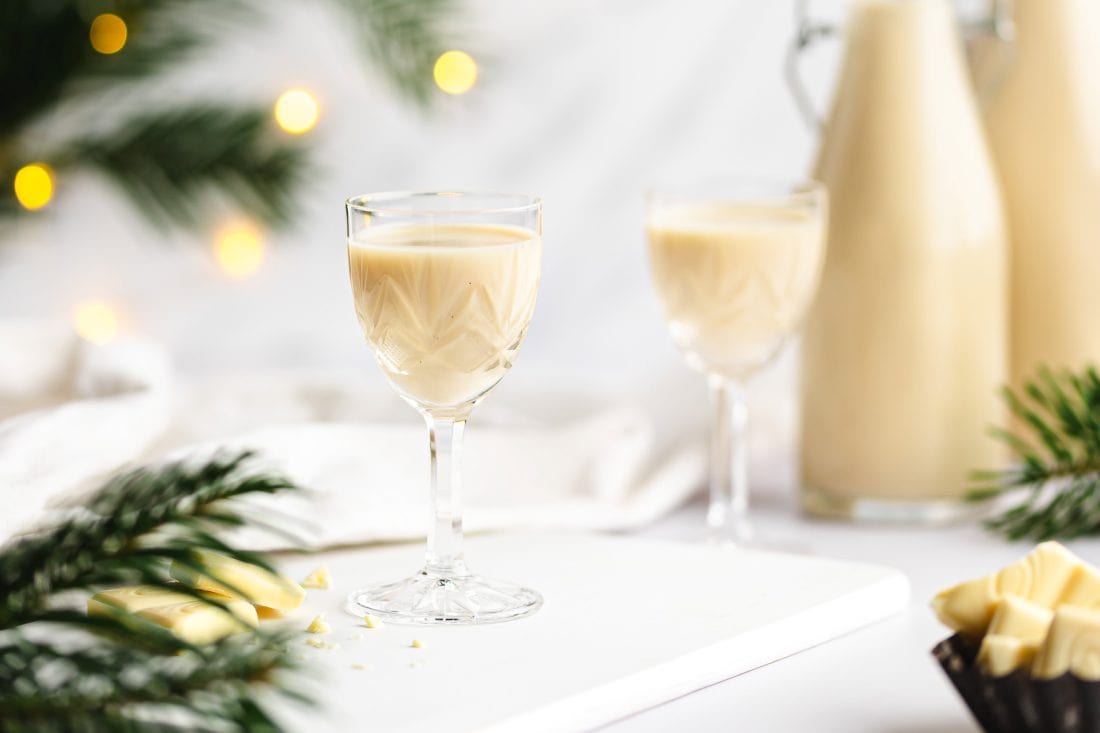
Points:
(583, 102)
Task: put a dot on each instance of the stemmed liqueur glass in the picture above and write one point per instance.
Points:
(444, 286)
(736, 268)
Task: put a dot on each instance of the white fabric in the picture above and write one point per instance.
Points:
(70, 413)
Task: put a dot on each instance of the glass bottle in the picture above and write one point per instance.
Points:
(1043, 120)
(907, 342)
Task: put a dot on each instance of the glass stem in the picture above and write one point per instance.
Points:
(727, 515)
(444, 556)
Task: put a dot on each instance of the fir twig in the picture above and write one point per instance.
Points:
(126, 673)
(403, 37)
(166, 160)
(1058, 452)
(46, 59)
(113, 542)
(105, 684)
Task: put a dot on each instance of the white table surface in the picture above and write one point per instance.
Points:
(881, 679)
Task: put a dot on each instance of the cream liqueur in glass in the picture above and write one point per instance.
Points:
(444, 286)
(736, 270)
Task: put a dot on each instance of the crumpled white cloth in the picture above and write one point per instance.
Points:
(71, 413)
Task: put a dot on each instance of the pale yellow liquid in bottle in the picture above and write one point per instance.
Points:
(1043, 120)
(734, 281)
(906, 344)
(445, 307)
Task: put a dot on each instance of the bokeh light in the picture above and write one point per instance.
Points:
(455, 72)
(96, 321)
(34, 186)
(239, 249)
(108, 33)
(296, 111)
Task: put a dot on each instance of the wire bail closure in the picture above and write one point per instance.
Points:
(998, 25)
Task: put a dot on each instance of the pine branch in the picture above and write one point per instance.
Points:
(404, 37)
(162, 35)
(114, 540)
(1059, 459)
(33, 72)
(165, 161)
(103, 686)
(126, 673)
(45, 56)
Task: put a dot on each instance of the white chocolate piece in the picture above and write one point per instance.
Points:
(133, 598)
(137, 598)
(235, 578)
(1040, 577)
(417, 644)
(1072, 645)
(1021, 620)
(318, 625)
(198, 622)
(1001, 655)
(371, 622)
(968, 607)
(1083, 588)
(319, 578)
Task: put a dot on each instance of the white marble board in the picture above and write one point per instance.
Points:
(627, 624)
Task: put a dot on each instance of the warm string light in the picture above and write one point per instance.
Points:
(239, 249)
(108, 33)
(96, 321)
(33, 186)
(296, 111)
(455, 72)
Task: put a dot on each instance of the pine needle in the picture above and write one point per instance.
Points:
(170, 160)
(127, 673)
(1058, 472)
(403, 37)
(166, 161)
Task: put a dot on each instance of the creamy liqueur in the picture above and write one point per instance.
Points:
(444, 307)
(734, 280)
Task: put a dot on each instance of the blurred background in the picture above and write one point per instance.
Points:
(583, 103)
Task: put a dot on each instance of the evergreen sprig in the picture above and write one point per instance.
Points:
(199, 149)
(111, 687)
(49, 70)
(105, 673)
(1058, 451)
(402, 37)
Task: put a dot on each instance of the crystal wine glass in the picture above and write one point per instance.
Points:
(444, 286)
(736, 269)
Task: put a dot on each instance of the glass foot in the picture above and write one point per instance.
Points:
(428, 598)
